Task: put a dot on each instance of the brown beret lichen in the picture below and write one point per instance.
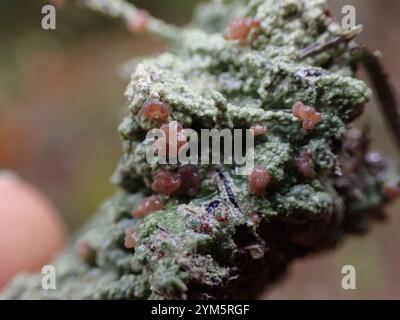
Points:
(210, 233)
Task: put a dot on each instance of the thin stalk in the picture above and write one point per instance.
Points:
(129, 12)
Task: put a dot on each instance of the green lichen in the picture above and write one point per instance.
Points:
(187, 250)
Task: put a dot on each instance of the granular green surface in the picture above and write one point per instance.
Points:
(226, 242)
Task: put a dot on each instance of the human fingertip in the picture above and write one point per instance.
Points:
(31, 230)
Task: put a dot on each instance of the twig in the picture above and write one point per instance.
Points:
(334, 42)
(227, 189)
(137, 20)
(385, 91)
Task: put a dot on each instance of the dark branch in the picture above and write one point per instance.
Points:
(331, 43)
(385, 90)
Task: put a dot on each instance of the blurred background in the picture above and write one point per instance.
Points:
(61, 100)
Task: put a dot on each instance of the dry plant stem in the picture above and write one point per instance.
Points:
(385, 91)
(127, 11)
(334, 42)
